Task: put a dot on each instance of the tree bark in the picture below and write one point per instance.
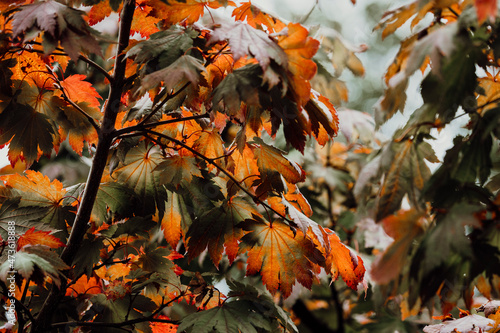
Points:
(106, 135)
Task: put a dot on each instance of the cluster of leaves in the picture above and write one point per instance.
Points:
(441, 215)
(171, 180)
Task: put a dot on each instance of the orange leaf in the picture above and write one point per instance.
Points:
(272, 159)
(99, 12)
(79, 90)
(85, 286)
(210, 144)
(254, 16)
(245, 165)
(188, 11)
(38, 188)
(172, 218)
(341, 260)
(160, 327)
(279, 255)
(403, 227)
(299, 49)
(32, 237)
(486, 9)
(143, 22)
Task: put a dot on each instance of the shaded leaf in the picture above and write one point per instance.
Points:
(218, 229)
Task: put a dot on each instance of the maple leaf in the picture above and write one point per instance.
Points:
(137, 173)
(219, 229)
(29, 134)
(164, 47)
(36, 190)
(403, 227)
(176, 218)
(85, 287)
(299, 49)
(144, 23)
(271, 159)
(79, 90)
(176, 168)
(255, 17)
(32, 237)
(280, 255)
(163, 327)
(210, 144)
(59, 23)
(239, 86)
(341, 260)
(486, 9)
(322, 116)
(188, 11)
(33, 266)
(228, 318)
(406, 173)
(185, 68)
(245, 40)
(245, 165)
(99, 12)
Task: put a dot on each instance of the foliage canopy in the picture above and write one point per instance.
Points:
(187, 120)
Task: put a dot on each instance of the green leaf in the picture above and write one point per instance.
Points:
(28, 132)
(237, 316)
(135, 226)
(155, 259)
(32, 266)
(48, 255)
(175, 169)
(218, 228)
(116, 197)
(185, 69)
(163, 48)
(239, 86)
(24, 218)
(137, 173)
(59, 23)
(88, 255)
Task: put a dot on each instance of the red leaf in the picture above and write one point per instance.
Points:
(32, 237)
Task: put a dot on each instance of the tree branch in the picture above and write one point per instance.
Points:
(106, 135)
(165, 122)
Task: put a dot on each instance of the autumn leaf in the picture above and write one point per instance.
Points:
(59, 23)
(279, 255)
(210, 144)
(85, 286)
(245, 165)
(255, 17)
(176, 218)
(79, 90)
(245, 40)
(270, 159)
(176, 168)
(144, 23)
(137, 173)
(219, 229)
(341, 260)
(403, 227)
(185, 69)
(322, 117)
(99, 12)
(486, 9)
(299, 49)
(30, 134)
(188, 11)
(32, 237)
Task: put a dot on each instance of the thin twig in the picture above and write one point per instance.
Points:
(96, 66)
(165, 122)
(165, 100)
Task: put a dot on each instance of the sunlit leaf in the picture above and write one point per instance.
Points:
(280, 256)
